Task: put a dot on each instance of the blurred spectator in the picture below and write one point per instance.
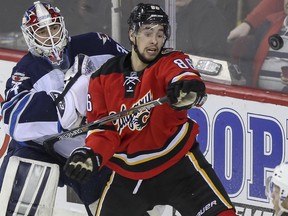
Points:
(255, 18)
(86, 16)
(201, 29)
(262, 66)
(94, 15)
(10, 11)
(82, 15)
(229, 10)
(234, 10)
(277, 189)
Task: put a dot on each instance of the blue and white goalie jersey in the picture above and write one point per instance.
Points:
(29, 112)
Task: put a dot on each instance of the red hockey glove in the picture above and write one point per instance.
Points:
(81, 164)
(184, 94)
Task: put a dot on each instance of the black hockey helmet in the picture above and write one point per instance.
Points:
(148, 14)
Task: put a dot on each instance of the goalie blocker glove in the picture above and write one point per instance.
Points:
(183, 94)
(71, 103)
(82, 164)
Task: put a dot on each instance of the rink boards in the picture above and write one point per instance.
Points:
(243, 133)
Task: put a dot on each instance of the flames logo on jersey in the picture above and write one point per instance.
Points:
(136, 121)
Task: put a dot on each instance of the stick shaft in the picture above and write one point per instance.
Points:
(49, 143)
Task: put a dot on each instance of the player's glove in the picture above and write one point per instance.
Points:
(71, 103)
(82, 66)
(81, 164)
(183, 94)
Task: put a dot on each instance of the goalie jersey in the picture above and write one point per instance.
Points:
(29, 113)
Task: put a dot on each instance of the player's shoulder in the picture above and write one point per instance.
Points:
(91, 36)
(115, 64)
(30, 64)
(29, 69)
(95, 43)
(172, 53)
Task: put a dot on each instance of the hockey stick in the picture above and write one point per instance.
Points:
(49, 143)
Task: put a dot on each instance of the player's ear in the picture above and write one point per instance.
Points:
(131, 35)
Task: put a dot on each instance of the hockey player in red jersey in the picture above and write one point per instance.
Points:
(154, 153)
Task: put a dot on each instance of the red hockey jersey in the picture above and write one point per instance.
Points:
(144, 144)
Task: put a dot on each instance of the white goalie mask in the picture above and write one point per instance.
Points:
(278, 183)
(44, 31)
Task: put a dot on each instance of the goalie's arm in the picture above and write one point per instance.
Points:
(71, 103)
